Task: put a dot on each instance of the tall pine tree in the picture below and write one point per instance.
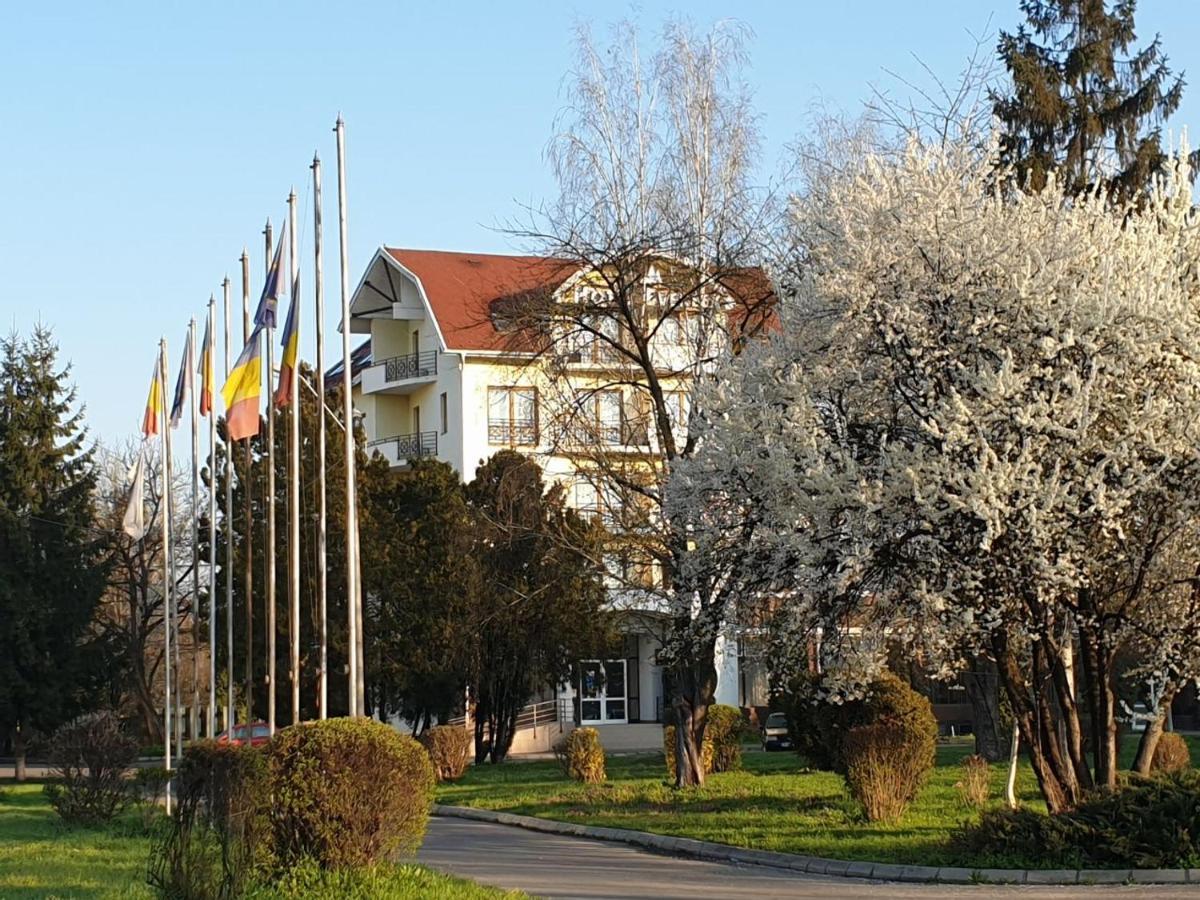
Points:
(1083, 101)
(52, 568)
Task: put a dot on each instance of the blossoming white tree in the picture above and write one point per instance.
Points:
(977, 432)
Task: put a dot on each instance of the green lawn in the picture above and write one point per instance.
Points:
(42, 858)
(774, 804)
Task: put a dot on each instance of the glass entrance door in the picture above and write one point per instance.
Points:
(602, 692)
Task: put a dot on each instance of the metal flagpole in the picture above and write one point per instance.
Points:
(354, 642)
(164, 503)
(294, 479)
(230, 707)
(270, 548)
(322, 579)
(175, 641)
(193, 713)
(248, 495)
(212, 538)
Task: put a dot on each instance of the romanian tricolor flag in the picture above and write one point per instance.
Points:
(287, 365)
(154, 403)
(242, 389)
(205, 370)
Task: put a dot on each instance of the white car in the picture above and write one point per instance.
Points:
(775, 733)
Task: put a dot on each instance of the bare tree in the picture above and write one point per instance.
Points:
(661, 230)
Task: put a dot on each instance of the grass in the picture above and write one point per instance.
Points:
(773, 804)
(40, 857)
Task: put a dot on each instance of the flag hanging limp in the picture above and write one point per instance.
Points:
(154, 402)
(266, 316)
(287, 365)
(242, 389)
(205, 371)
(134, 523)
(183, 385)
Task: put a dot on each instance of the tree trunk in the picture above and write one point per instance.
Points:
(1014, 754)
(19, 752)
(695, 688)
(1154, 731)
(983, 692)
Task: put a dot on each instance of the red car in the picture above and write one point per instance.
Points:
(255, 734)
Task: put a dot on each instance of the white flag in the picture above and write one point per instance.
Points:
(134, 523)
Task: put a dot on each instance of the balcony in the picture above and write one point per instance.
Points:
(401, 448)
(513, 432)
(401, 374)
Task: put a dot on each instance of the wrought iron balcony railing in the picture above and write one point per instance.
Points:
(410, 446)
(514, 432)
(411, 365)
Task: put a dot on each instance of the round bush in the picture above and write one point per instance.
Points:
(90, 756)
(581, 756)
(886, 764)
(449, 748)
(1171, 754)
(348, 792)
(724, 730)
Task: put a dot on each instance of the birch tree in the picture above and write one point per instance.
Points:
(978, 429)
(662, 224)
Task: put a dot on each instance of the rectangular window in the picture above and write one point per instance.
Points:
(445, 410)
(513, 416)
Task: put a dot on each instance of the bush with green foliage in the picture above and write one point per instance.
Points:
(724, 728)
(818, 727)
(449, 748)
(219, 839)
(1149, 823)
(347, 792)
(975, 786)
(90, 757)
(886, 764)
(706, 751)
(1171, 754)
(581, 756)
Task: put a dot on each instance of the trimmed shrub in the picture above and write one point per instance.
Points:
(706, 751)
(581, 756)
(1151, 823)
(90, 756)
(449, 748)
(886, 764)
(1171, 754)
(347, 792)
(724, 730)
(975, 786)
(818, 728)
(219, 839)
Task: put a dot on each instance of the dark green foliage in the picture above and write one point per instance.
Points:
(52, 565)
(580, 755)
(219, 836)
(449, 749)
(723, 728)
(347, 792)
(818, 728)
(90, 757)
(1171, 754)
(1150, 823)
(1083, 100)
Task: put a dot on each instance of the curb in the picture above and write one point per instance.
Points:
(816, 865)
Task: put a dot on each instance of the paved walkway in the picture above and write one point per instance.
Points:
(555, 866)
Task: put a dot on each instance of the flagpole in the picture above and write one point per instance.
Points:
(294, 478)
(248, 494)
(193, 713)
(322, 579)
(164, 504)
(354, 642)
(230, 707)
(270, 548)
(212, 534)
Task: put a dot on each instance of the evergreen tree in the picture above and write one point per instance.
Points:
(52, 568)
(1083, 101)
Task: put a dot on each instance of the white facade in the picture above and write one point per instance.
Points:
(437, 391)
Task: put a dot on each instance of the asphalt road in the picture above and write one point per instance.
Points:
(548, 865)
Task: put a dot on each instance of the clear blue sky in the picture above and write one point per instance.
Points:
(145, 144)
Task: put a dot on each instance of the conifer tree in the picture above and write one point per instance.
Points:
(1084, 101)
(52, 569)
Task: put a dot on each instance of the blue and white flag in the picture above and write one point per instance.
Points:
(183, 385)
(267, 314)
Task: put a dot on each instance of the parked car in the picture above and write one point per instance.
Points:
(775, 733)
(255, 734)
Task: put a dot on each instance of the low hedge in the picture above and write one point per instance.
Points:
(347, 792)
(1149, 823)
